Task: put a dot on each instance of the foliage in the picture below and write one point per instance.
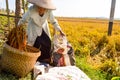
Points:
(115, 78)
(89, 70)
(8, 76)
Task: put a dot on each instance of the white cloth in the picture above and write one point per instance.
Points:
(61, 42)
(64, 73)
(36, 23)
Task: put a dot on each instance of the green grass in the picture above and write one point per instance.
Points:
(91, 72)
(115, 78)
(8, 76)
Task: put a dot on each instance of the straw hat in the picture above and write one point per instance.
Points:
(43, 3)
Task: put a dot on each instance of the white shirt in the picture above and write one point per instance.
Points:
(36, 23)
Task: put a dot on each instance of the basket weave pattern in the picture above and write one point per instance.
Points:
(18, 62)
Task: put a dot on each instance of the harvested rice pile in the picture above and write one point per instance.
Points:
(17, 38)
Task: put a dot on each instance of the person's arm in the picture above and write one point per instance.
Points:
(54, 22)
(24, 18)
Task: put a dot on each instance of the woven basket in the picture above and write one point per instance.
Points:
(18, 62)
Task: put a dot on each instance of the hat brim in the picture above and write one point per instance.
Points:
(40, 4)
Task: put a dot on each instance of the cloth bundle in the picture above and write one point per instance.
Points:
(64, 73)
(63, 54)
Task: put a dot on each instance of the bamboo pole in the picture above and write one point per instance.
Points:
(26, 5)
(7, 8)
(11, 16)
(8, 23)
(23, 5)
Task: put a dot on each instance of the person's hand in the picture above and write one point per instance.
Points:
(60, 51)
(61, 33)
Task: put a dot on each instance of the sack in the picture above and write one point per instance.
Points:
(63, 53)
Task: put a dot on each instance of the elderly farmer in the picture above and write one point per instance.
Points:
(38, 31)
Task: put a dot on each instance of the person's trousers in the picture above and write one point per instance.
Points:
(43, 43)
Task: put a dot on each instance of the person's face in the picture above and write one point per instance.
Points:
(41, 10)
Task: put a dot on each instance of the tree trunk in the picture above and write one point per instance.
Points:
(17, 11)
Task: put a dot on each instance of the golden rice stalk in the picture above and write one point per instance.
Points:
(17, 38)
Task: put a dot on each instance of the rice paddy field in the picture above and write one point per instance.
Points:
(96, 53)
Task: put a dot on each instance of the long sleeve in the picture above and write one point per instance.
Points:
(54, 22)
(25, 18)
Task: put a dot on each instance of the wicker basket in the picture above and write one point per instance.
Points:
(18, 62)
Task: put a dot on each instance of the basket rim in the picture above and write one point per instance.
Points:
(17, 51)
